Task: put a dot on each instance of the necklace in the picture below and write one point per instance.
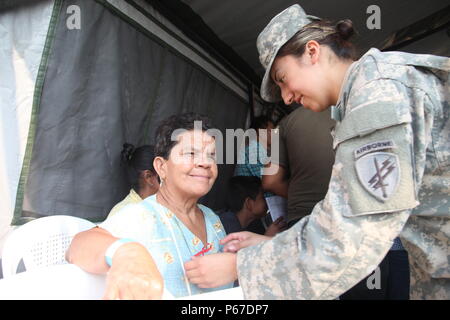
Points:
(163, 212)
(187, 234)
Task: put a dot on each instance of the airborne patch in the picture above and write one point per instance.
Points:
(379, 173)
(374, 146)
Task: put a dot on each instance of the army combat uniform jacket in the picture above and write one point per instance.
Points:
(391, 177)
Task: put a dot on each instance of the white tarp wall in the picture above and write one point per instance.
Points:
(23, 33)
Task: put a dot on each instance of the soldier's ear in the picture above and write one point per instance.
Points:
(313, 51)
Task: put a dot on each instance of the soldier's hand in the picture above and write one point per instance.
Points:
(239, 240)
(133, 275)
(276, 227)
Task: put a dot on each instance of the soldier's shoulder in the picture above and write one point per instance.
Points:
(374, 64)
(397, 65)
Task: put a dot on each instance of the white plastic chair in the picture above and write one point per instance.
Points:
(41, 243)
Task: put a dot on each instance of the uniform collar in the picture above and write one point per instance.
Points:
(337, 112)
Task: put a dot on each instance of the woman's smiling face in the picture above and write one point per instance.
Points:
(191, 168)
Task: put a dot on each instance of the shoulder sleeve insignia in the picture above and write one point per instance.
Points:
(379, 173)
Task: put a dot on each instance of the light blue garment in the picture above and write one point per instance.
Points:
(251, 161)
(168, 240)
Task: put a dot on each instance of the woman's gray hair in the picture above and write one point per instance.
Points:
(185, 121)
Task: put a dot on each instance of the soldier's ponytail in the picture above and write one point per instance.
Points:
(334, 35)
(345, 29)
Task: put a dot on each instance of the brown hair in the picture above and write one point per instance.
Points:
(335, 36)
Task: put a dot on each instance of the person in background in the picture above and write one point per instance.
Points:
(143, 247)
(141, 175)
(251, 161)
(256, 149)
(245, 204)
(303, 165)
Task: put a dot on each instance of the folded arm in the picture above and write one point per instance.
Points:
(133, 274)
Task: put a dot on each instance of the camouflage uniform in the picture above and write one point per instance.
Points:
(391, 176)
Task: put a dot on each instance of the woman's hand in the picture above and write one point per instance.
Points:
(239, 240)
(276, 227)
(133, 275)
(212, 270)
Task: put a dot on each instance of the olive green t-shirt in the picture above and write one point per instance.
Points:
(307, 154)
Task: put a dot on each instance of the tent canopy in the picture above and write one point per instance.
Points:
(236, 23)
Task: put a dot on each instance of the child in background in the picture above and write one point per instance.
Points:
(246, 206)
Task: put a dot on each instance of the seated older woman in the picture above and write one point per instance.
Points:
(144, 246)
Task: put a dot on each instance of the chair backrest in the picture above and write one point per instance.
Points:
(40, 243)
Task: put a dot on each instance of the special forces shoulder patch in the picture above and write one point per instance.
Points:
(379, 173)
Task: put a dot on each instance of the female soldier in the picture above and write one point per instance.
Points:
(390, 177)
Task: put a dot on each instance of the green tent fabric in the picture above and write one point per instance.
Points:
(109, 82)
